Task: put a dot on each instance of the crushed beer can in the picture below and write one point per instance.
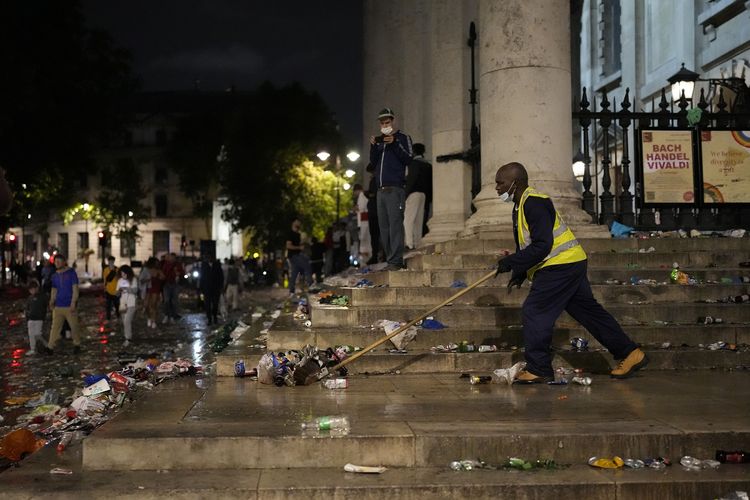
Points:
(479, 379)
(582, 380)
(239, 368)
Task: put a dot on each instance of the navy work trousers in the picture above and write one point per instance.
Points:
(566, 288)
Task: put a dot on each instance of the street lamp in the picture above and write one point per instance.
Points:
(683, 83)
(353, 156)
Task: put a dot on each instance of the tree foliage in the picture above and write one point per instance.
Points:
(267, 135)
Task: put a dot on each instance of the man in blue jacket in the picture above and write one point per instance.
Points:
(390, 153)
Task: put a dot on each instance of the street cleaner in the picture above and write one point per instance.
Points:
(548, 254)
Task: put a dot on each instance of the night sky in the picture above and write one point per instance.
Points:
(242, 43)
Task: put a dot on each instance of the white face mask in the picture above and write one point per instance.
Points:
(386, 130)
(506, 196)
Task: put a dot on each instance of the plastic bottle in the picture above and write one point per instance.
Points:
(67, 437)
(732, 457)
(327, 423)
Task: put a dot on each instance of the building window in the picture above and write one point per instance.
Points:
(160, 205)
(127, 246)
(161, 242)
(62, 244)
(83, 242)
(610, 45)
(161, 176)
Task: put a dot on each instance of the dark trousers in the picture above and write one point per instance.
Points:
(113, 302)
(566, 288)
(374, 233)
(391, 201)
(211, 300)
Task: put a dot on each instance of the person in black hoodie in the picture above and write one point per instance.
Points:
(211, 285)
(36, 312)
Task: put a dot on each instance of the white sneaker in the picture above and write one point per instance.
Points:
(165, 320)
(30, 352)
(126, 343)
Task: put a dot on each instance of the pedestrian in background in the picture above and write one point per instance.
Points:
(63, 302)
(36, 312)
(153, 295)
(372, 215)
(232, 285)
(211, 285)
(317, 258)
(299, 263)
(127, 290)
(391, 152)
(172, 271)
(110, 274)
(418, 191)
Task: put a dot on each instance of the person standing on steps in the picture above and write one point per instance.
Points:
(390, 153)
(418, 195)
(549, 255)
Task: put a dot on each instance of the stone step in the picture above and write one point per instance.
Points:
(423, 421)
(594, 361)
(423, 483)
(283, 337)
(446, 277)
(493, 246)
(685, 259)
(463, 316)
(497, 294)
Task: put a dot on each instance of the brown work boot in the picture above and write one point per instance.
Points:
(525, 377)
(628, 366)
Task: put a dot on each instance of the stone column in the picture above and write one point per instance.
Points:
(414, 113)
(525, 100)
(383, 26)
(451, 119)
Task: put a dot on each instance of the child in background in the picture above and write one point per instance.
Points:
(127, 290)
(36, 312)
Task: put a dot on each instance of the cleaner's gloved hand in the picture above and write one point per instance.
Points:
(503, 266)
(516, 281)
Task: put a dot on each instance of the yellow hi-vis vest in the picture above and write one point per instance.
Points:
(565, 246)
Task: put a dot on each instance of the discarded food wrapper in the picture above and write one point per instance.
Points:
(336, 383)
(458, 284)
(432, 324)
(606, 463)
(87, 406)
(402, 339)
(634, 463)
(96, 388)
(364, 469)
(507, 375)
(61, 471)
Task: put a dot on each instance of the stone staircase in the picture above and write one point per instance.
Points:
(653, 315)
(227, 436)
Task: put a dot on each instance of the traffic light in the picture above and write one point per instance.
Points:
(12, 240)
(102, 239)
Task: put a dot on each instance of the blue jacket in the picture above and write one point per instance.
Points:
(390, 160)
